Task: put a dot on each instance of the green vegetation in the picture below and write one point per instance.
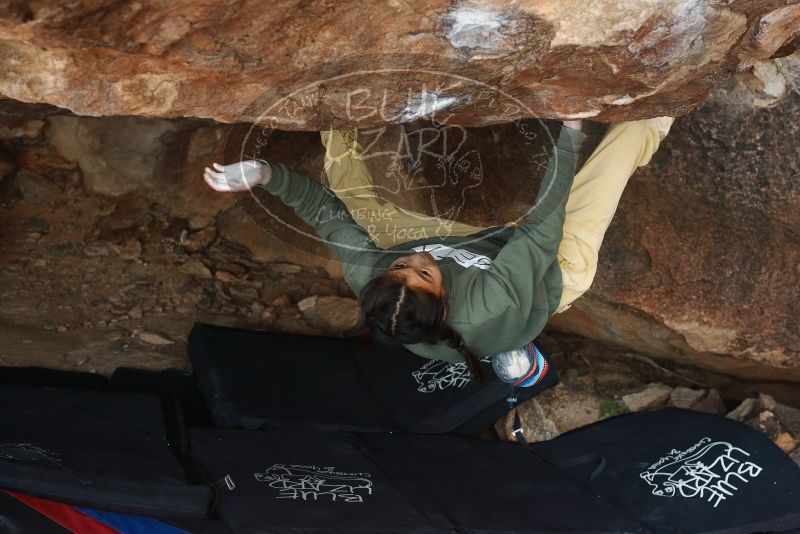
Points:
(611, 407)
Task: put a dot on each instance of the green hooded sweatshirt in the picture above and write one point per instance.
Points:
(501, 284)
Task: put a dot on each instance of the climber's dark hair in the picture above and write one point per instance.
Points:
(395, 312)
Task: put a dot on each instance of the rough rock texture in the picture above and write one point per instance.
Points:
(743, 411)
(700, 266)
(778, 421)
(653, 396)
(790, 419)
(105, 152)
(331, 314)
(682, 397)
(702, 260)
(712, 403)
(606, 59)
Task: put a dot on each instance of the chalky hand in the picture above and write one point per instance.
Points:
(240, 176)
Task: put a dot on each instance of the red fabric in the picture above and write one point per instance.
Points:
(65, 515)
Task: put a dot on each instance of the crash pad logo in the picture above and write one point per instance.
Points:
(439, 375)
(312, 483)
(708, 470)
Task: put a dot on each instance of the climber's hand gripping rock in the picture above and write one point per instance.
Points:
(574, 124)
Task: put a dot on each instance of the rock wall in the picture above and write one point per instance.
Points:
(702, 262)
(313, 64)
(107, 223)
(111, 246)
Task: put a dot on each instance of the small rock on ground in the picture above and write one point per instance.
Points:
(711, 403)
(789, 418)
(536, 426)
(225, 276)
(786, 442)
(682, 397)
(285, 268)
(195, 267)
(154, 339)
(33, 186)
(307, 303)
(765, 422)
(743, 411)
(130, 250)
(197, 241)
(332, 315)
(653, 396)
(559, 409)
(766, 402)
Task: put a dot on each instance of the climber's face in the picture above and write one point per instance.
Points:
(418, 271)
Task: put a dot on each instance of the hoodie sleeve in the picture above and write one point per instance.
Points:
(522, 263)
(326, 213)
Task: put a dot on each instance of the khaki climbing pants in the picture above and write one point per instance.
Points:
(592, 202)
(388, 224)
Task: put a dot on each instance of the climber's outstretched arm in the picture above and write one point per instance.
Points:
(531, 251)
(315, 204)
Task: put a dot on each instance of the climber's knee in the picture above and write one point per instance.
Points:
(575, 282)
(662, 126)
(577, 256)
(652, 132)
(577, 278)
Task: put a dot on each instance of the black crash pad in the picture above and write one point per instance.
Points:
(93, 448)
(263, 380)
(666, 471)
(684, 471)
(293, 480)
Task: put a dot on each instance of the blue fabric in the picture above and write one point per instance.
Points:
(131, 524)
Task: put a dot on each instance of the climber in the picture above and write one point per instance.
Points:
(477, 291)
